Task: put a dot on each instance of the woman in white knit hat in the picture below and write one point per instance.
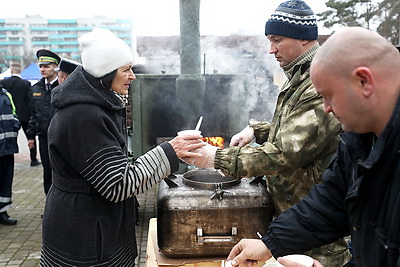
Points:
(89, 217)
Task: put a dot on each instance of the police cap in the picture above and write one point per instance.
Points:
(47, 57)
(67, 65)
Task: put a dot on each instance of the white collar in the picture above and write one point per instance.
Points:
(53, 81)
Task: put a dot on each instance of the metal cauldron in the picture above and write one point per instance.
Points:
(203, 213)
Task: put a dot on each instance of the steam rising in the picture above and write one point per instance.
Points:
(243, 56)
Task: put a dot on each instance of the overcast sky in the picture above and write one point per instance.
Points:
(161, 17)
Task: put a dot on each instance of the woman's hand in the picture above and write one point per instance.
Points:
(184, 144)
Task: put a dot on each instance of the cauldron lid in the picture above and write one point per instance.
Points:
(208, 179)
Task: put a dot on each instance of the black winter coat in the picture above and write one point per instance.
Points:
(42, 111)
(360, 196)
(20, 90)
(89, 217)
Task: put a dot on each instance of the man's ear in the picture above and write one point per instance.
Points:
(304, 42)
(366, 79)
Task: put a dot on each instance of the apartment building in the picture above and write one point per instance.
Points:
(20, 38)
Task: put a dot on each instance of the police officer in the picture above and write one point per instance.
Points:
(65, 68)
(20, 89)
(43, 111)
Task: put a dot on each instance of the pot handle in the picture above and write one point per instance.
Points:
(201, 238)
(170, 183)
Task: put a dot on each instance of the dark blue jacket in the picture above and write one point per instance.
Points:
(9, 125)
(360, 196)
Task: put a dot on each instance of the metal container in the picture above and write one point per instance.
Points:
(203, 213)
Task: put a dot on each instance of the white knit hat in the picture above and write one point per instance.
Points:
(103, 52)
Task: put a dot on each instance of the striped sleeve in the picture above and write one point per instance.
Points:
(110, 173)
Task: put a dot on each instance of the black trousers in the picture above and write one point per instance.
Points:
(32, 152)
(6, 180)
(44, 156)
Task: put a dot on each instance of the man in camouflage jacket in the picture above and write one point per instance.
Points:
(295, 147)
(293, 150)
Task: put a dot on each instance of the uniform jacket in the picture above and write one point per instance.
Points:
(9, 125)
(295, 147)
(89, 217)
(42, 111)
(360, 195)
(20, 90)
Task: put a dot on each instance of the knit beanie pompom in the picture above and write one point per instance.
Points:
(293, 19)
(103, 52)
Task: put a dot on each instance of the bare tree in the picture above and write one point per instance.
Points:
(382, 16)
(388, 12)
(347, 13)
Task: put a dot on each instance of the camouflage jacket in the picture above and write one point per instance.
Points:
(295, 147)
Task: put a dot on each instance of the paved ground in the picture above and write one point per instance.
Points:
(20, 244)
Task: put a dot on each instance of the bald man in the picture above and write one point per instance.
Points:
(357, 73)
